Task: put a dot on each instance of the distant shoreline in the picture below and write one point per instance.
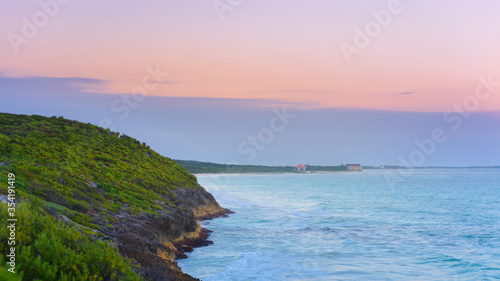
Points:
(272, 173)
(198, 167)
(328, 172)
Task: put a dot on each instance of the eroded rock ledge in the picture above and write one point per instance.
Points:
(156, 241)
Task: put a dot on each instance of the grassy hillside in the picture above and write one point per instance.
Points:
(86, 175)
(79, 168)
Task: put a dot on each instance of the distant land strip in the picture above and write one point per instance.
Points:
(199, 167)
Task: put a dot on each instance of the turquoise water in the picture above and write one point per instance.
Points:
(439, 224)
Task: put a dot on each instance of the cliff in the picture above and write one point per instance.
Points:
(109, 186)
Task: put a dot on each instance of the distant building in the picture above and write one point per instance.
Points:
(300, 168)
(354, 167)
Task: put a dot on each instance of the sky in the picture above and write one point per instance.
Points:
(265, 82)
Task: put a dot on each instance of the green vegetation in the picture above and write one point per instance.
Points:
(47, 249)
(84, 174)
(79, 169)
(197, 167)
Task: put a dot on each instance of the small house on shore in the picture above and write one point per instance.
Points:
(300, 168)
(354, 167)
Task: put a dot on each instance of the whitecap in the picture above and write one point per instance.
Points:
(301, 215)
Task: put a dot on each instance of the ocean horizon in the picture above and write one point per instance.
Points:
(435, 224)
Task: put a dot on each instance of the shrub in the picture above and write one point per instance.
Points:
(48, 249)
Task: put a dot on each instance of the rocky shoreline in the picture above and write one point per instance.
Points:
(156, 241)
(110, 186)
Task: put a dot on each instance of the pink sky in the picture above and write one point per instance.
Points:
(281, 50)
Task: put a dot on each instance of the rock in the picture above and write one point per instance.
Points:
(185, 248)
(202, 203)
(4, 199)
(180, 256)
(92, 184)
(221, 214)
(156, 241)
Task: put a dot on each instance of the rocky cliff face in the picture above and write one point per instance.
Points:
(108, 184)
(201, 202)
(156, 241)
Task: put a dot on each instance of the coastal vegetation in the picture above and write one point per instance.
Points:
(49, 249)
(78, 168)
(82, 191)
(197, 167)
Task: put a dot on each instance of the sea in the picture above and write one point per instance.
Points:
(421, 224)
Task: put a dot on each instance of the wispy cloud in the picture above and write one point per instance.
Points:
(38, 84)
(210, 129)
(405, 93)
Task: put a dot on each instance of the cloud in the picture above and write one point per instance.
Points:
(212, 129)
(40, 84)
(68, 94)
(405, 93)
